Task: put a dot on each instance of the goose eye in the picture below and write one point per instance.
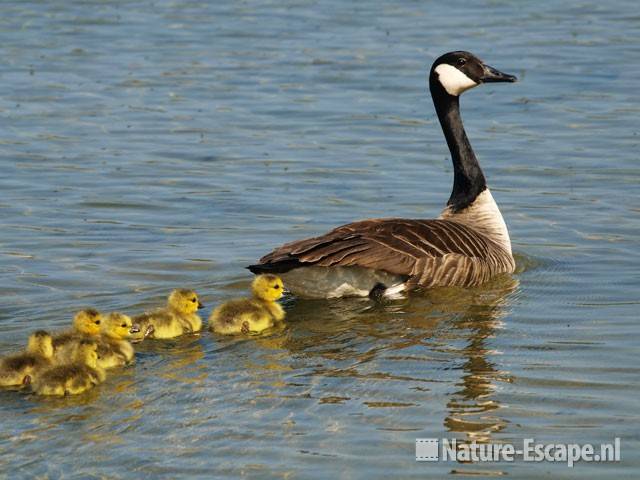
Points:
(461, 62)
(193, 300)
(124, 325)
(97, 322)
(277, 287)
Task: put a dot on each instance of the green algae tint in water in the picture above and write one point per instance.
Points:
(169, 144)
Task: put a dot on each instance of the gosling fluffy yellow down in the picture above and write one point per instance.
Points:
(177, 318)
(19, 369)
(86, 325)
(72, 378)
(114, 350)
(250, 315)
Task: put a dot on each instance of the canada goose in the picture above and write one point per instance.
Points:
(19, 368)
(250, 315)
(177, 318)
(75, 377)
(465, 246)
(114, 350)
(86, 324)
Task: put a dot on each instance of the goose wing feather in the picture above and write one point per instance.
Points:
(398, 246)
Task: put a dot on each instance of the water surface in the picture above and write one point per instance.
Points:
(148, 146)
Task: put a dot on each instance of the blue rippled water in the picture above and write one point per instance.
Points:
(150, 145)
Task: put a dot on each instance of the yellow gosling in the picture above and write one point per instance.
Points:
(20, 368)
(82, 374)
(250, 315)
(177, 318)
(86, 324)
(114, 350)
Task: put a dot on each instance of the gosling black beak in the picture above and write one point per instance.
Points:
(200, 305)
(149, 331)
(134, 329)
(491, 75)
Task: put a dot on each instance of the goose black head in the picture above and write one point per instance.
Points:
(459, 71)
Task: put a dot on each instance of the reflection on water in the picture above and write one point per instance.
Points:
(474, 410)
(435, 319)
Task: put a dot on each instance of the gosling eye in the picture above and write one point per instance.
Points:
(462, 62)
(97, 322)
(193, 300)
(277, 287)
(124, 325)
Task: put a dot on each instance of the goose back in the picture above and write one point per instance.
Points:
(425, 253)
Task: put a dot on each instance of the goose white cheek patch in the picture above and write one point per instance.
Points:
(453, 80)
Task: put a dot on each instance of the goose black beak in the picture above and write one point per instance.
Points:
(200, 305)
(491, 75)
(134, 329)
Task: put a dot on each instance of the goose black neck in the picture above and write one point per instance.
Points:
(468, 179)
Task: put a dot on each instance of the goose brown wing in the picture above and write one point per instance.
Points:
(393, 245)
